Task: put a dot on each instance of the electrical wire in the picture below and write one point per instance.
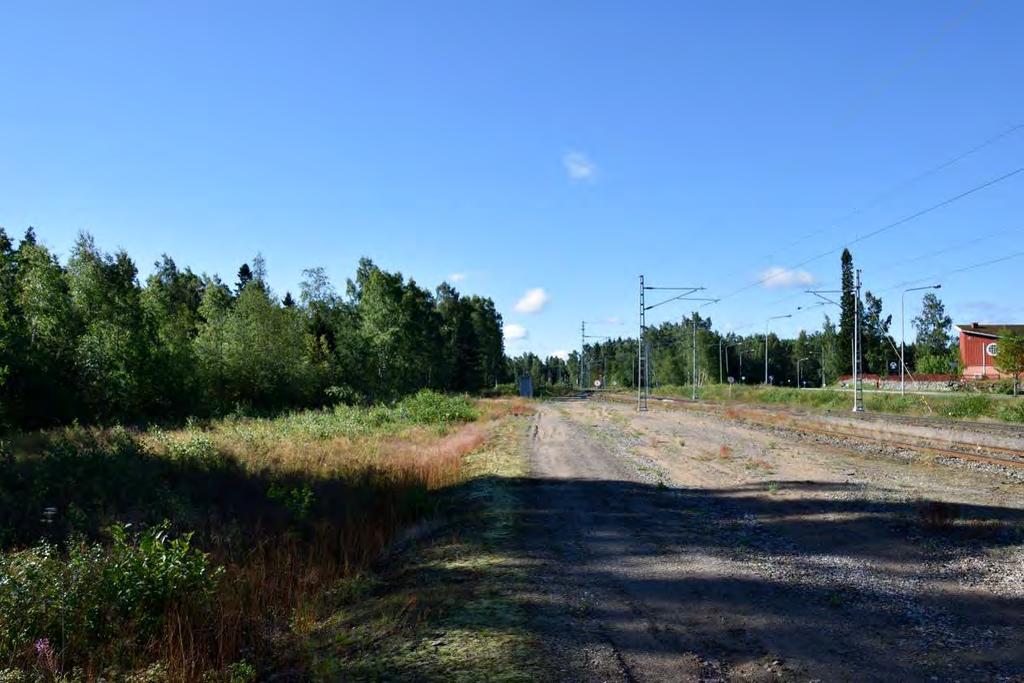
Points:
(899, 187)
(879, 231)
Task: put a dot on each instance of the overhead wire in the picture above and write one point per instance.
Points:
(878, 231)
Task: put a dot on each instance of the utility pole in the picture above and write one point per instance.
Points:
(583, 351)
(858, 379)
(643, 351)
(694, 395)
(720, 378)
(822, 368)
(798, 384)
(641, 358)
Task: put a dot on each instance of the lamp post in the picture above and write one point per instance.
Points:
(778, 317)
(903, 335)
(798, 362)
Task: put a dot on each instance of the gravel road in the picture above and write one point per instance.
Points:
(679, 546)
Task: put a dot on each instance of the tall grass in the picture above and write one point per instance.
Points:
(214, 540)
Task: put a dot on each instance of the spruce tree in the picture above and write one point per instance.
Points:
(244, 278)
(847, 302)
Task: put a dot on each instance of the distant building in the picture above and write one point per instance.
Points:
(979, 344)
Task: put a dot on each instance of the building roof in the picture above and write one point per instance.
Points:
(989, 329)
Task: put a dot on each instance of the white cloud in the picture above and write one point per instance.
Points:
(578, 166)
(514, 331)
(532, 302)
(457, 277)
(614, 320)
(561, 353)
(779, 277)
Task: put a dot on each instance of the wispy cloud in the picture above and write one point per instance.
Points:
(578, 166)
(613, 320)
(457, 277)
(778, 277)
(532, 302)
(514, 332)
(560, 353)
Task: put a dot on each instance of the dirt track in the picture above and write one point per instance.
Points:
(681, 546)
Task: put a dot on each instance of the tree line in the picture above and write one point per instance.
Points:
(85, 340)
(814, 358)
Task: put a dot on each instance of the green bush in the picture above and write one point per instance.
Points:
(969, 406)
(196, 450)
(91, 596)
(298, 499)
(499, 390)
(1011, 410)
(432, 408)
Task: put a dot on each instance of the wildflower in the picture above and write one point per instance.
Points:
(46, 656)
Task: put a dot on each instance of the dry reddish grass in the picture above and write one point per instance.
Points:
(494, 409)
(725, 452)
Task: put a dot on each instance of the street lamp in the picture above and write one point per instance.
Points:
(798, 362)
(903, 334)
(778, 317)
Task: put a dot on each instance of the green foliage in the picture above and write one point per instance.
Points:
(1010, 356)
(848, 306)
(933, 327)
(298, 499)
(1011, 411)
(431, 408)
(277, 519)
(938, 364)
(88, 342)
(92, 595)
(974, 406)
(960, 406)
(242, 672)
(878, 351)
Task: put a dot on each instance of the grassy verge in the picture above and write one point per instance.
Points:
(205, 553)
(956, 406)
(442, 610)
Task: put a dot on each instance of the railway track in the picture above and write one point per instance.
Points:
(992, 455)
(802, 422)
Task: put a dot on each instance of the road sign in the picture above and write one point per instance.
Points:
(732, 380)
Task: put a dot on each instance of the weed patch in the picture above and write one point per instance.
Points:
(207, 551)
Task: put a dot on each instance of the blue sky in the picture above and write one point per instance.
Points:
(530, 146)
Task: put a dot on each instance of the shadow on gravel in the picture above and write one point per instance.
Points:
(833, 586)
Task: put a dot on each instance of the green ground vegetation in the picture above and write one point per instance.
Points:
(206, 553)
(955, 405)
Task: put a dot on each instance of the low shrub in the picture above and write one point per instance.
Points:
(969, 406)
(432, 408)
(1011, 410)
(92, 601)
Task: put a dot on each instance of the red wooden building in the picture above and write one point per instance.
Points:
(979, 344)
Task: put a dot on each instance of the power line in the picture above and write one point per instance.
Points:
(902, 185)
(955, 271)
(879, 231)
(951, 26)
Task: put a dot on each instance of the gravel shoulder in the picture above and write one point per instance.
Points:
(676, 545)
